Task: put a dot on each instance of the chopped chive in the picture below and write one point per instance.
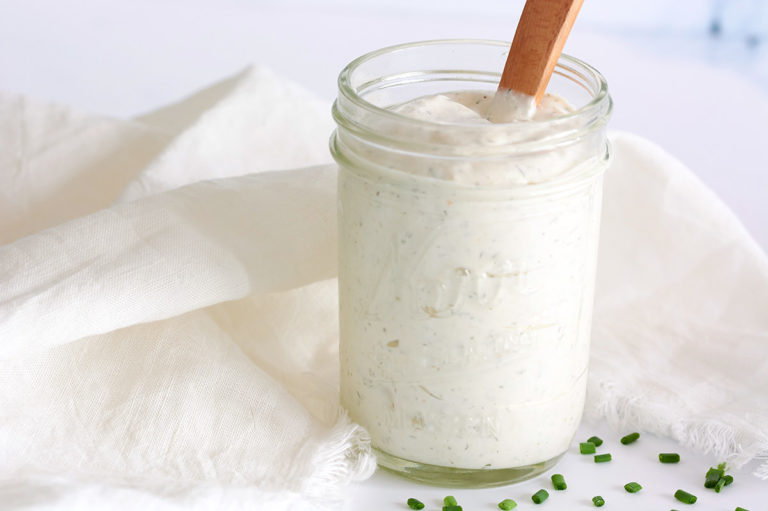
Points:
(450, 500)
(587, 448)
(452, 508)
(740, 509)
(628, 439)
(540, 496)
(507, 504)
(602, 458)
(669, 457)
(719, 485)
(558, 481)
(598, 501)
(596, 440)
(633, 487)
(728, 479)
(685, 497)
(415, 504)
(722, 467)
(712, 477)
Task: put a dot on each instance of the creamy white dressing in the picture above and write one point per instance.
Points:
(465, 319)
(480, 107)
(510, 106)
(470, 158)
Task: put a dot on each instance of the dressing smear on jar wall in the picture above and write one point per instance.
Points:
(467, 253)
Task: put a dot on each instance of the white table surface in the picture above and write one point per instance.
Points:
(121, 59)
(635, 462)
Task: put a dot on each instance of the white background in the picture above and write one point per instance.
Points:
(703, 98)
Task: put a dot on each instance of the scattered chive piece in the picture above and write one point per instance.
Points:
(712, 477)
(598, 501)
(415, 504)
(669, 457)
(633, 487)
(630, 438)
(587, 448)
(507, 504)
(685, 497)
(722, 467)
(728, 480)
(540, 496)
(558, 481)
(450, 500)
(740, 509)
(452, 508)
(719, 485)
(602, 458)
(596, 440)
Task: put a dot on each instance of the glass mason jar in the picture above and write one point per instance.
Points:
(467, 260)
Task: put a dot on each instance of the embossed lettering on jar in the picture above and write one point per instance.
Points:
(467, 254)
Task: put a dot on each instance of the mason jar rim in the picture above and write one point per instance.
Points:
(354, 114)
(348, 91)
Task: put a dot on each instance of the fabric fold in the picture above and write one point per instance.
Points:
(166, 255)
(681, 311)
(179, 348)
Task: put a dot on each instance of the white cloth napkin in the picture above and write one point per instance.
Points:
(168, 330)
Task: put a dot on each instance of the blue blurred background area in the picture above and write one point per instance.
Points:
(728, 33)
(691, 75)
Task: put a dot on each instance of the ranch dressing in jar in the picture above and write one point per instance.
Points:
(467, 255)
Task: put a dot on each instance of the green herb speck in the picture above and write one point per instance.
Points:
(415, 504)
(685, 497)
(628, 439)
(540, 496)
(507, 504)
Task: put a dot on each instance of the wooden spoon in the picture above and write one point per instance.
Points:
(539, 39)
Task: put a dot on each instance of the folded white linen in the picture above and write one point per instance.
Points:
(179, 348)
(680, 336)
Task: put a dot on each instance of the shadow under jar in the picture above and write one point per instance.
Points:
(467, 260)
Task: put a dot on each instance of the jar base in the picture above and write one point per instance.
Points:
(452, 477)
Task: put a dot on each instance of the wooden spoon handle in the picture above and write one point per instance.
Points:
(539, 40)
